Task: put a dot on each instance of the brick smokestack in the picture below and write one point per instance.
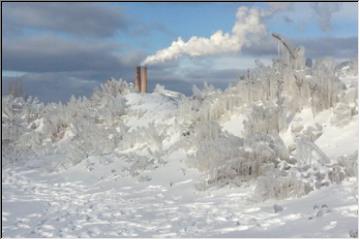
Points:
(141, 83)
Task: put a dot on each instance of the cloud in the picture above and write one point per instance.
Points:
(324, 12)
(336, 47)
(219, 71)
(220, 78)
(278, 6)
(248, 24)
(340, 47)
(47, 53)
(70, 50)
(85, 19)
(53, 87)
(55, 68)
(65, 48)
(216, 75)
(60, 86)
(145, 29)
(264, 48)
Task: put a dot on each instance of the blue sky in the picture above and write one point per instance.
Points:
(76, 46)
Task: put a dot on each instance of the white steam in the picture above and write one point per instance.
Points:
(247, 26)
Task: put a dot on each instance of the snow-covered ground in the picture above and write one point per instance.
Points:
(104, 204)
(149, 185)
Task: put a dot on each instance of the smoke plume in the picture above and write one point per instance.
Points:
(248, 26)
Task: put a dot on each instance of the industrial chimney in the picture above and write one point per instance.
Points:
(141, 79)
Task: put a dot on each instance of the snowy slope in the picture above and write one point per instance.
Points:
(145, 178)
(78, 204)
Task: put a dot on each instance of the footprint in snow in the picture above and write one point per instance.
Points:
(277, 208)
(319, 211)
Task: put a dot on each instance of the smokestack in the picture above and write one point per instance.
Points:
(141, 79)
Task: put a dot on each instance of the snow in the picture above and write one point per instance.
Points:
(57, 205)
(338, 141)
(235, 125)
(142, 105)
(124, 164)
(350, 80)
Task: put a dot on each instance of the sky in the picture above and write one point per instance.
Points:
(61, 49)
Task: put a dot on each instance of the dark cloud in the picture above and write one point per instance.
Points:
(55, 87)
(330, 47)
(336, 47)
(185, 87)
(53, 54)
(168, 76)
(57, 68)
(85, 19)
(264, 48)
(220, 75)
(64, 49)
(59, 86)
(50, 87)
(145, 29)
(195, 70)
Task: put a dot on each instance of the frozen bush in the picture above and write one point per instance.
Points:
(273, 143)
(149, 138)
(313, 132)
(112, 88)
(342, 114)
(279, 186)
(159, 88)
(17, 117)
(80, 128)
(336, 173)
(308, 153)
(263, 118)
(328, 83)
(226, 158)
(350, 164)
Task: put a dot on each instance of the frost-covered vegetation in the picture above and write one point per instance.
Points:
(271, 97)
(270, 130)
